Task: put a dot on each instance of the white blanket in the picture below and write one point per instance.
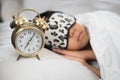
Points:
(104, 30)
(51, 66)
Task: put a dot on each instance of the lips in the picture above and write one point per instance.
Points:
(80, 36)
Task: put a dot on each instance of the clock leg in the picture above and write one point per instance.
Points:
(37, 57)
(18, 57)
(21, 56)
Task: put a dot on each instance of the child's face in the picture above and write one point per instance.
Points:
(78, 37)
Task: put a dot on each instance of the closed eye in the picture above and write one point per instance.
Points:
(71, 32)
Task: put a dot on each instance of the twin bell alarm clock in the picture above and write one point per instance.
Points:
(28, 35)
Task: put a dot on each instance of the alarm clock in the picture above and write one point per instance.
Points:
(28, 35)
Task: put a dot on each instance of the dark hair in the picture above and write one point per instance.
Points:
(47, 13)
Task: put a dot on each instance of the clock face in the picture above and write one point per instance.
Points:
(29, 41)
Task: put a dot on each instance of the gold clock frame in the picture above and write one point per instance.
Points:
(20, 24)
(27, 26)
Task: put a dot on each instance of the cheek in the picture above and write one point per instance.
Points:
(73, 45)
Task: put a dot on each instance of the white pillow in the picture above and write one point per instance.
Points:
(51, 66)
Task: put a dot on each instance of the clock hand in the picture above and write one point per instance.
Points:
(26, 45)
(29, 41)
(32, 37)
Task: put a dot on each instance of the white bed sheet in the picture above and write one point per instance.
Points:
(51, 66)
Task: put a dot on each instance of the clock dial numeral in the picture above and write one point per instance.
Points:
(21, 36)
(37, 37)
(29, 32)
(38, 41)
(36, 45)
(28, 49)
(33, 48)
(21, 45)
(24, 33)
(20, 41)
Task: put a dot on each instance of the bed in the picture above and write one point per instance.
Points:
(51, 66)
